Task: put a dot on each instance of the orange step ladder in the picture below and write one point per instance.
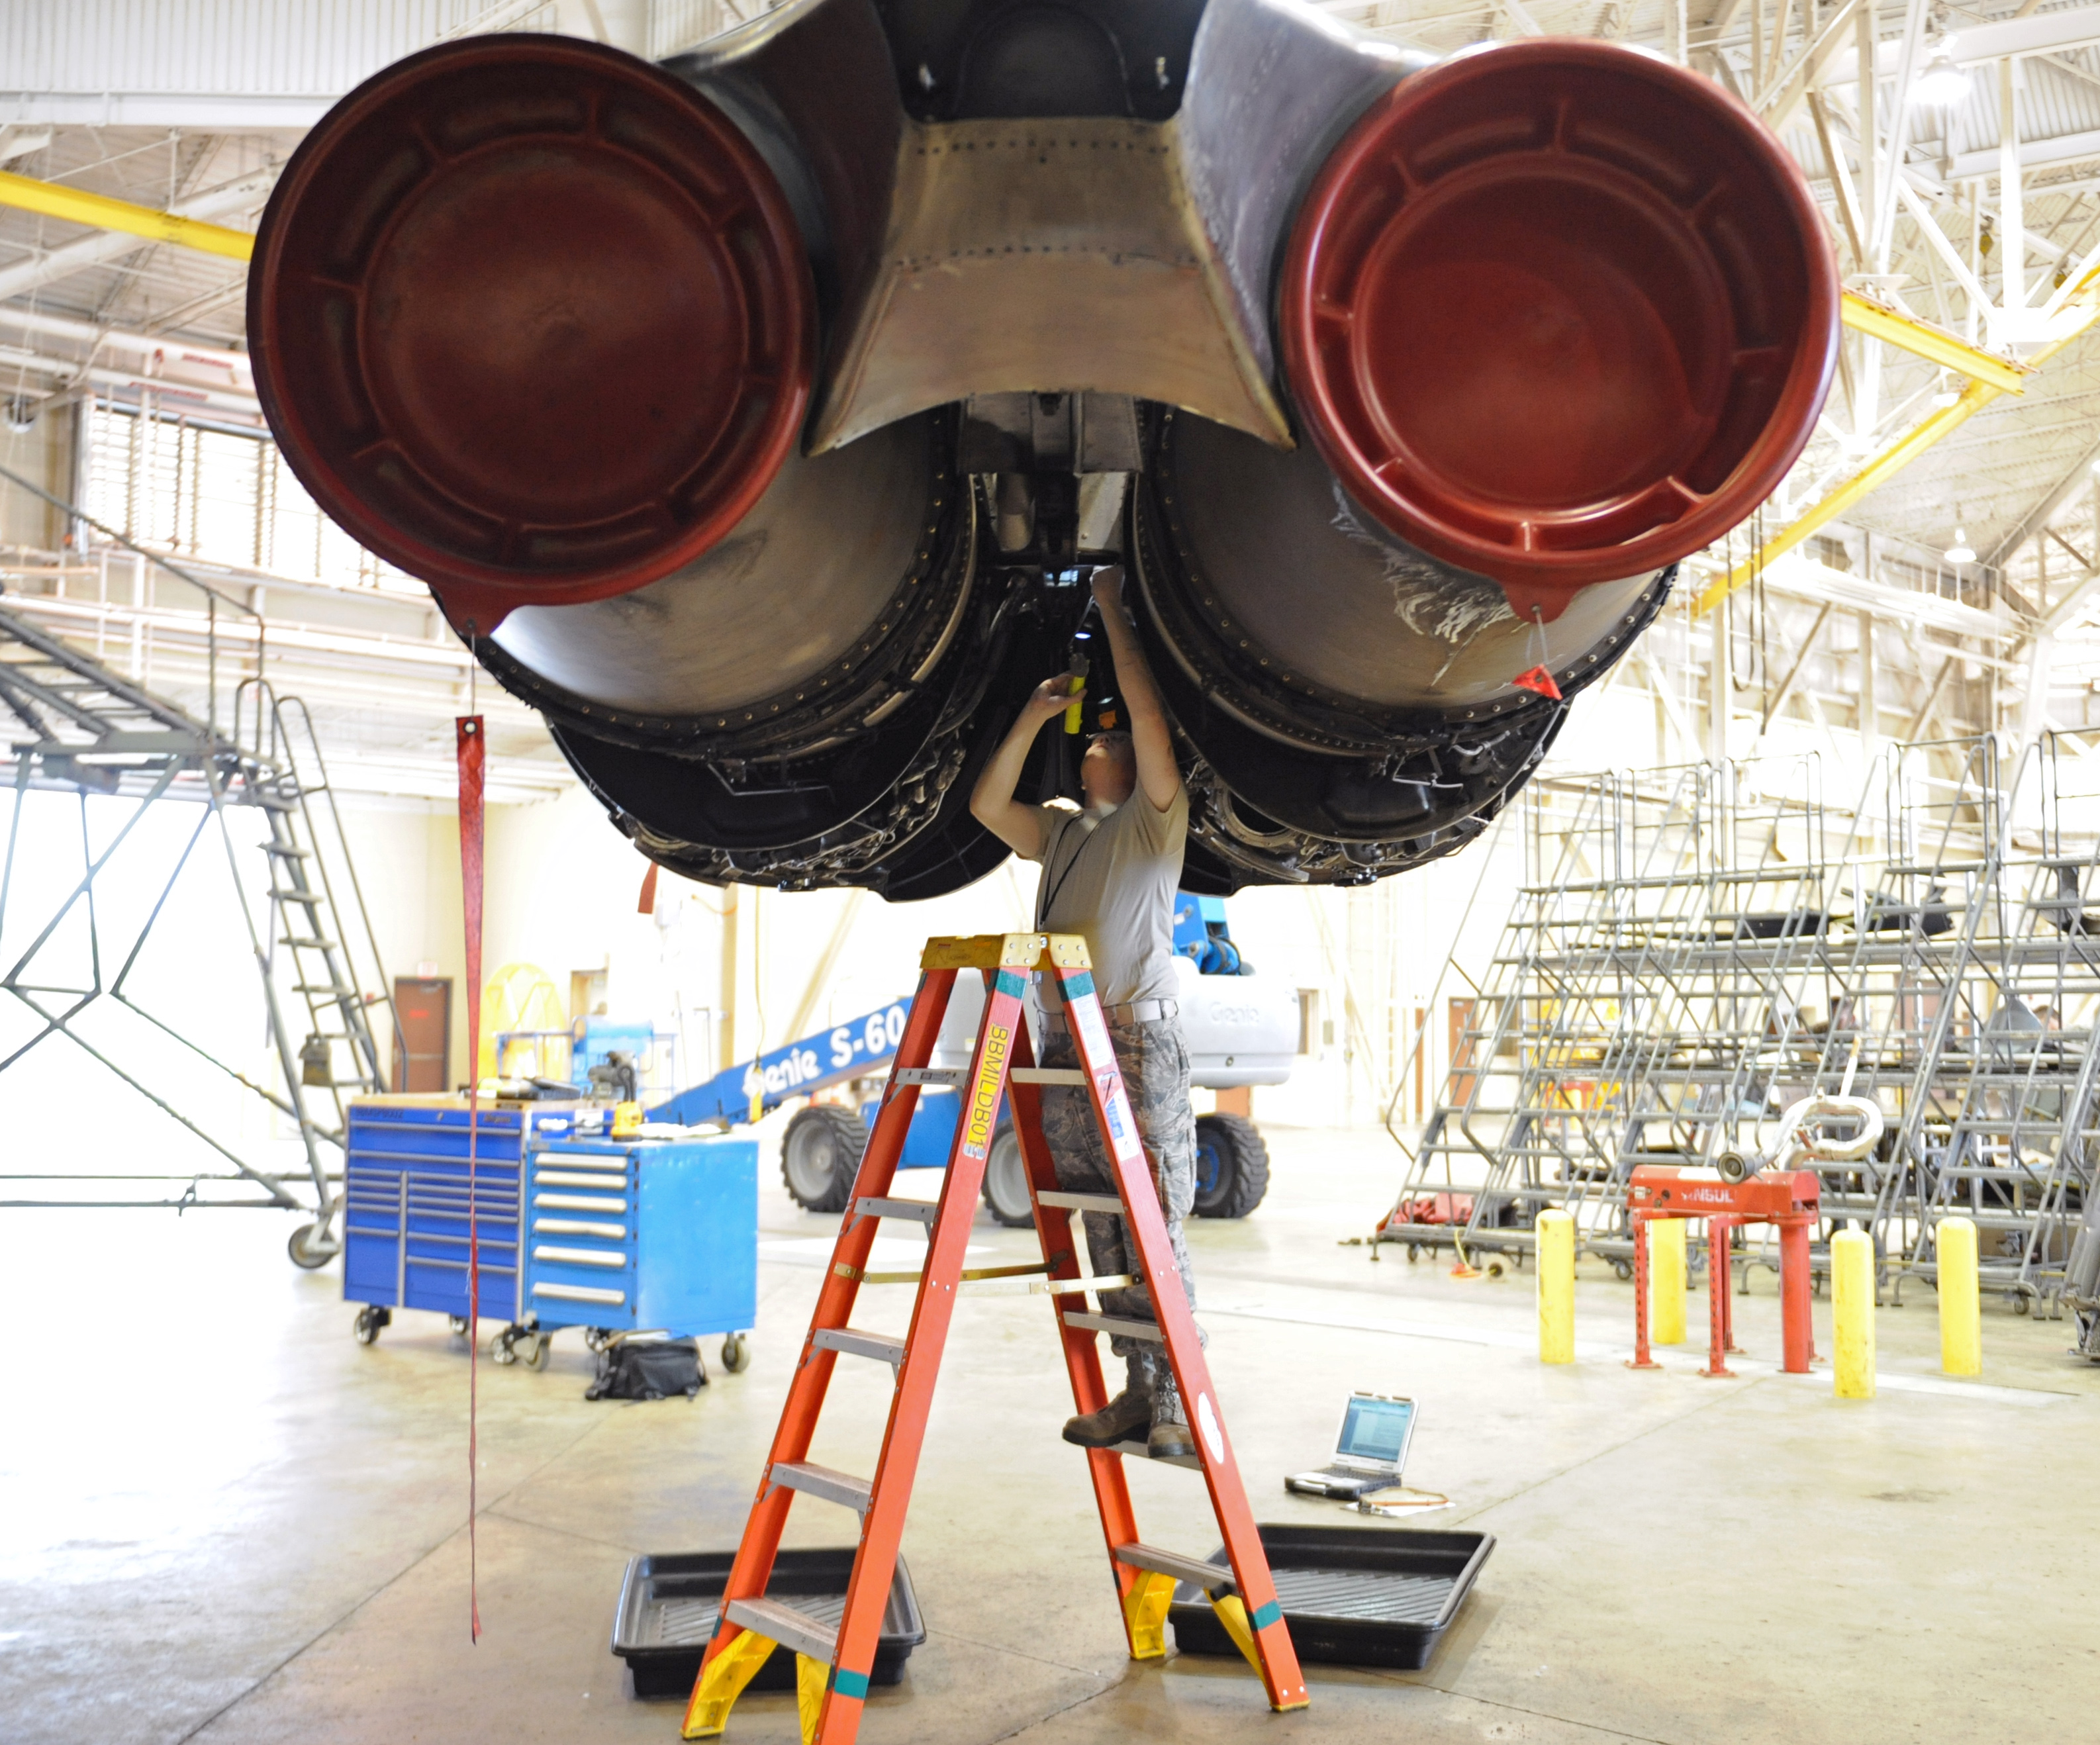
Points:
(832, 1667)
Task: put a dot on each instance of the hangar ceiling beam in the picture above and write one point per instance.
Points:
(1788, 91)
(1975, 44)
(2078, 474)
(1935, 345)
(101, 211)
(239, 196)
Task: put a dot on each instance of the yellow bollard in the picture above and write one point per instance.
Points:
(1961, 1312)
(1852, 1301)
(1556, 1287)
(1665, 1277)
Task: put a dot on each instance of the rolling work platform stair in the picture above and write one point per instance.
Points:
(73, 723)
(832, 1665)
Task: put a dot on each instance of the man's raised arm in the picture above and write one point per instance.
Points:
(992, 803)
(1157, 774)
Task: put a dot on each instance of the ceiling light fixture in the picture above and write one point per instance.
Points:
(1959, 551)
(1941, 84)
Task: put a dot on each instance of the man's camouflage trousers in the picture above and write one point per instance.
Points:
(1154, 1059)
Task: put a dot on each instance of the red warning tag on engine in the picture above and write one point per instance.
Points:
(1538, 679)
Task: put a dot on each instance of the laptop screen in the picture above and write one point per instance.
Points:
(1375, 1430)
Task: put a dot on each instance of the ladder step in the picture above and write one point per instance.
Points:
(1115, 1323)
(783, 1624)
(296, 896)
(309, 945)
(1134, 1449)
(288, 852)
(1073, 1287)
(968, 1275)
(856, 1343)
(931, 1075)
(812, 1480)
(325, 987)
(1066, 1202)
(1217, 1578)
(925, 1211)
(1047, 1075)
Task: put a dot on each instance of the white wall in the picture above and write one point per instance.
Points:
(407, 855)
(562, 894)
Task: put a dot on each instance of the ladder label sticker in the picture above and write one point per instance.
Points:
(1088, 1013)
(1115, 1112)
(1213, 1432)
(984, 1097)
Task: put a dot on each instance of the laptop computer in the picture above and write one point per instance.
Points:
(1370, 1450)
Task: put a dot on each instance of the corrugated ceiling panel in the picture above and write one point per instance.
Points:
(229, 47)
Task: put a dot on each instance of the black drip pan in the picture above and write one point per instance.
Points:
(1353, 1596)
(669, 1602)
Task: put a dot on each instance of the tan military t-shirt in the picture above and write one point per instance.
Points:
(1113, 879)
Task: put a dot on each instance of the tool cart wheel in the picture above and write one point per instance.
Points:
(370, 1318)
(820, 1155)
(1624, 1268)
(537, 1347)
(1232, 1166)
(1006, 1181)
(735, 1354)
(458, 1324)
(310, 1249)
(598, 1338)
(503, 1348)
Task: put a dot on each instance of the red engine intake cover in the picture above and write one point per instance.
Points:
(1559, 312)
(532, 320)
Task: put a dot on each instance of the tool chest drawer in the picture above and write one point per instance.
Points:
(645, 1234)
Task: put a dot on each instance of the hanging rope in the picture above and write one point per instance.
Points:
(472, 753)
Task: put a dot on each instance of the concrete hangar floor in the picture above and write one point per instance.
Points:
(227, 1522)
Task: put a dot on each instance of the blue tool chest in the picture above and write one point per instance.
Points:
(629, 1234)
(405, 1203)
(626, 1236)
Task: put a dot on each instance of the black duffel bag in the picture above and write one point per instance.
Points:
(649, 1369)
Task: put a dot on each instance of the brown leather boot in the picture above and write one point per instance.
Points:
(1169, 1438)
(1122, 1419)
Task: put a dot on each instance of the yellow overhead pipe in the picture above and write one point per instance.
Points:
(1935, 345)
(102, 213)
(2083, 307)
(1890, 461)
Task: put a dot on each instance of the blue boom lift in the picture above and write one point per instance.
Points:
(1243, 1030)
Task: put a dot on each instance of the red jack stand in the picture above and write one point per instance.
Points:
(1790, 1199)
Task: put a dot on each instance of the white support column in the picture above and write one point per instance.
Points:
(1720, 678)
(1864, 24)
(2034, 709)
(2011, 229)
(1870, 692)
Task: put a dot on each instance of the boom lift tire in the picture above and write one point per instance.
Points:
(820, 1155)
(1006, 1181)
(1234, 1184)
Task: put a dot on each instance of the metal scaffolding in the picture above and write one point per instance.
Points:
(1694, 950)
(80, 728)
